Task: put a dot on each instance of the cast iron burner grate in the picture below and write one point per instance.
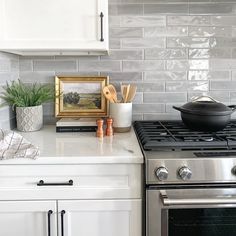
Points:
(173, 135)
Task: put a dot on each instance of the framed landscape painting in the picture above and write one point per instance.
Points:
(80, 96)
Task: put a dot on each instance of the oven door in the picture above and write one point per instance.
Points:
(191, 212)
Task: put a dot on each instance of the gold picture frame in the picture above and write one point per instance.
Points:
(80, 96)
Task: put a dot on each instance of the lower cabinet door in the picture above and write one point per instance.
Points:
(99, 218)
(28, 218)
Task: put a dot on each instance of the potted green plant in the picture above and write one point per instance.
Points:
(26, 100)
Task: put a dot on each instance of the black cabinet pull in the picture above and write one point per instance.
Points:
(49, 222)
(101, 16)
(63, 212)
(42, 183)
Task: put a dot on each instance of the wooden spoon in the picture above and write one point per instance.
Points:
(122, 89)
(132, 92)
(127, 88)
(108, 94)
(113, 92)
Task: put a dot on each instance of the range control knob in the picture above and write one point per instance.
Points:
(185, 173)
(162, 173)
(233, 170)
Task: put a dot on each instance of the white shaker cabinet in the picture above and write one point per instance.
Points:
(54, 27)
(85, 200)
(28, 218)
(100, 217)
(71, 218)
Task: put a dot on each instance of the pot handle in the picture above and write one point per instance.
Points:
(195, 99)
(232, 107)
(177, 108)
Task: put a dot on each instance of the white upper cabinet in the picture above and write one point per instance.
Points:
(54, 27)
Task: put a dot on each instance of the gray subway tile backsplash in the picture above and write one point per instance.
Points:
(157, 86)
(175, 86)
(135, 54)
(177, 65)
(221, 85)
(9, 71)
(157, 53)
(155, 9)
(126, 32)
(165, 75)
(5, 65)
(26, 65)
(124, 76)
(167, 97)
(223, 42)
(209, 53)
(158, 42)
(99, 65)
(188, 20)
(212, 8)
(114, 43)
(148, 108)
(209, 75)
(150, 32)
(53, 65)
(172, 50)
(125, 9)
(210, 31)
(188, 42)
(224, 20)
(234, 75)
(222, 64)
(143, 21)
(144, 65)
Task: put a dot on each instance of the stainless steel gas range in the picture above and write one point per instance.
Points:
(190, 179)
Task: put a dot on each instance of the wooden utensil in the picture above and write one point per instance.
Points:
(126, 91)
(132, 92)
(108, 94)
(113, 92)
(122, 88)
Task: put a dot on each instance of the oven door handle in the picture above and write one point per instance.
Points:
(196, 201)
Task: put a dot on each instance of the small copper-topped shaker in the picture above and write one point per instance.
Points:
(100, 132)
(109, 129)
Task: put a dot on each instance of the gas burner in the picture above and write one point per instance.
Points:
(163, 134)
(199, 139)
(173, 135)
(207, 139)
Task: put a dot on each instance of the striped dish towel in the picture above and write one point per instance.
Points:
(13, 145)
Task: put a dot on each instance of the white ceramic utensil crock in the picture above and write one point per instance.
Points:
(121, 113)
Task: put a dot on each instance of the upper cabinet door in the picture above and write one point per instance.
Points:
(53, 26)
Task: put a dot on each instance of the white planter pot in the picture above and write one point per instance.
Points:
(121, 113)
(29, 118)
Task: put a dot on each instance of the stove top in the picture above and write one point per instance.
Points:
(174, 136)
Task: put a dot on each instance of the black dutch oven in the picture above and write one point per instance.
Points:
(205, 114)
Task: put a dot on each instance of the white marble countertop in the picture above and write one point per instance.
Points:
(81, 148)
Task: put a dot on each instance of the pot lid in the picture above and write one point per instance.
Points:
(206, 105)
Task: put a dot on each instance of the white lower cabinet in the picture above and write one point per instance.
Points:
(100, 218)
(70, 200)
(28, 218)
(71, 218)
